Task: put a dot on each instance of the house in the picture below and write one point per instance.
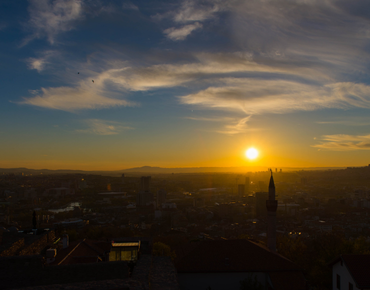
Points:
(224, 264)
(351, 272)
(82, 252)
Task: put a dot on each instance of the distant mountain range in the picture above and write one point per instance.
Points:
(157, 170)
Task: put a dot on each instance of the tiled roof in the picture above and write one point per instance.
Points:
(84, 251)
(359, 267)
(231, 256)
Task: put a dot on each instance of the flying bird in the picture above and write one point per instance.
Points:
(78, 73)
(93, 81)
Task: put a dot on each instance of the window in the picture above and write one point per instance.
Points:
(350, 286)
(338, 281)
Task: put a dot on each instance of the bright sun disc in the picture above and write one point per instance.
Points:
(251, 153)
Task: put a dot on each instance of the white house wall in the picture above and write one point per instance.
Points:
(345, 277)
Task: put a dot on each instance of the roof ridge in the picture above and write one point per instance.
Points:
(71, 252)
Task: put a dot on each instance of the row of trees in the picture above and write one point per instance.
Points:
(315, 254)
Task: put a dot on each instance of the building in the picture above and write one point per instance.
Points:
(124, 251)
(59, 191)
(351, 272)
(145, 183)
(261, 198)
(144, 197)
(223, 264)
(241, 190)
(161, 197)
(247, 183)
(262, 185)
(271, 206)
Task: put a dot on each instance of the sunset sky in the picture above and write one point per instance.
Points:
(109, 85)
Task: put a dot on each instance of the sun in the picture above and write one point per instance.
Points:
(251, 153)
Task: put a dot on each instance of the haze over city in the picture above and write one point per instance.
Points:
(111, 85)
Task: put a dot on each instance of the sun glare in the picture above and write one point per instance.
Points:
(251, 153)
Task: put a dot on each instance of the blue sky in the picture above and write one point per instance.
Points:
(117, 84)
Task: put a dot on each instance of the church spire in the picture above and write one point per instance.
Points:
(272, 183)
(271, 205)
(271, 188)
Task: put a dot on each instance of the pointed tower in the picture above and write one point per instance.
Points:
(271, 205)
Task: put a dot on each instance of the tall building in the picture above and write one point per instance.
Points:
(262, 186)
(247, 182)
(123, 178)
(261, 198)
(271, 206)
(241, 190)
(144, 183)
(161, 197)
(144, 197)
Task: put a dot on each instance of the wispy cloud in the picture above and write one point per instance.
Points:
(206, 66)
(72, 99)
(41, 62)
(34, 92)
(103, 127)
(191, 10)
(214, 119)
(129, 6)
(191, 13)
(239, 127)
(182, 32)
(254, 96)
(345, 123)
(36, 63)
(233, 126)
(341, 142)
(49, 18)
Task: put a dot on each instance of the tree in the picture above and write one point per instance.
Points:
(160, 249)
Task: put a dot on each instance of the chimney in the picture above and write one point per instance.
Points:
(50, 255)
(271, 205)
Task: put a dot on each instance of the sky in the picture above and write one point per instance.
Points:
(110, 85)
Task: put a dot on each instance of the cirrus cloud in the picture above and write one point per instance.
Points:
(256, 96)
(72, 99)
(342, 142)
(103, 127)
(49, 18)
(182, 32)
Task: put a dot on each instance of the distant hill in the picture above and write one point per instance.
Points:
(156, 170)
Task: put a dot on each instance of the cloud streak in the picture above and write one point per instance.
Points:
(103, 127)
(73, 99)
(50, 18)
(41, 62)
(183, 32)
(233, 127)
(254, 96)
(342, 142)
(238, 127)
(190, 11)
